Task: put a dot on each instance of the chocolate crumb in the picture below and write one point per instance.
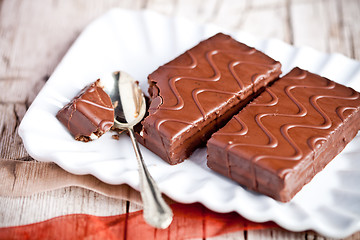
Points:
(115, 136)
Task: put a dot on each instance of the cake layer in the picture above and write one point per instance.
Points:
(278, 142)
(89, 114)
(193, 95)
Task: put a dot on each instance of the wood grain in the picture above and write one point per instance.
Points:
(25, 178)
(35, 35)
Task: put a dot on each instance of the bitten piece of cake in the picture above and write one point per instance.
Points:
(88, 115)
(198, 92)
(278, 142)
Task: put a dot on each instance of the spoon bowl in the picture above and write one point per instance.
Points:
(129, 109)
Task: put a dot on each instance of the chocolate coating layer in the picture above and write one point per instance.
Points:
(278, 142)
(197, 92)
(89, 115)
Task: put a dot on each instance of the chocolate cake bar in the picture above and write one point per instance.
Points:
(197, 92)
(278, 142)
(89, 115)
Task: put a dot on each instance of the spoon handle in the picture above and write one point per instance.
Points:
(156, 211)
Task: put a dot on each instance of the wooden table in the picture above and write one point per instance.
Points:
(36, 34)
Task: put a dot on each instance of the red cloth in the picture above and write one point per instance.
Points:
(190, 221)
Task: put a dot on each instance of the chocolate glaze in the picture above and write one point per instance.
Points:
(89, 114)
(278, 142)
(197, 92)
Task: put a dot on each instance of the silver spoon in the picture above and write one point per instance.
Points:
(129, 104)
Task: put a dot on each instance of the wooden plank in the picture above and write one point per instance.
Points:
(338, 39)
(255, 20)
(267, 3)
(11, 146)
(31, 47)
(230, 236)
(350, 12)
(275, 234)
(46, 205)
(166, 7)
(309, 24)
(229, 13)
(197, 10)
(24, 178)
(327, 26)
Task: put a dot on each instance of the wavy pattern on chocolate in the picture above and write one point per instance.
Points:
(195, 93)
(192, 65)
(274, 99)
(96, 105)
(160, 122)
(214, 78)
(92, 104)
(340, 111)
(200, 90)
(244, 129)
(312, 141)
(103, 124)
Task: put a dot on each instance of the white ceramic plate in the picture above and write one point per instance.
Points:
(138, 42)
